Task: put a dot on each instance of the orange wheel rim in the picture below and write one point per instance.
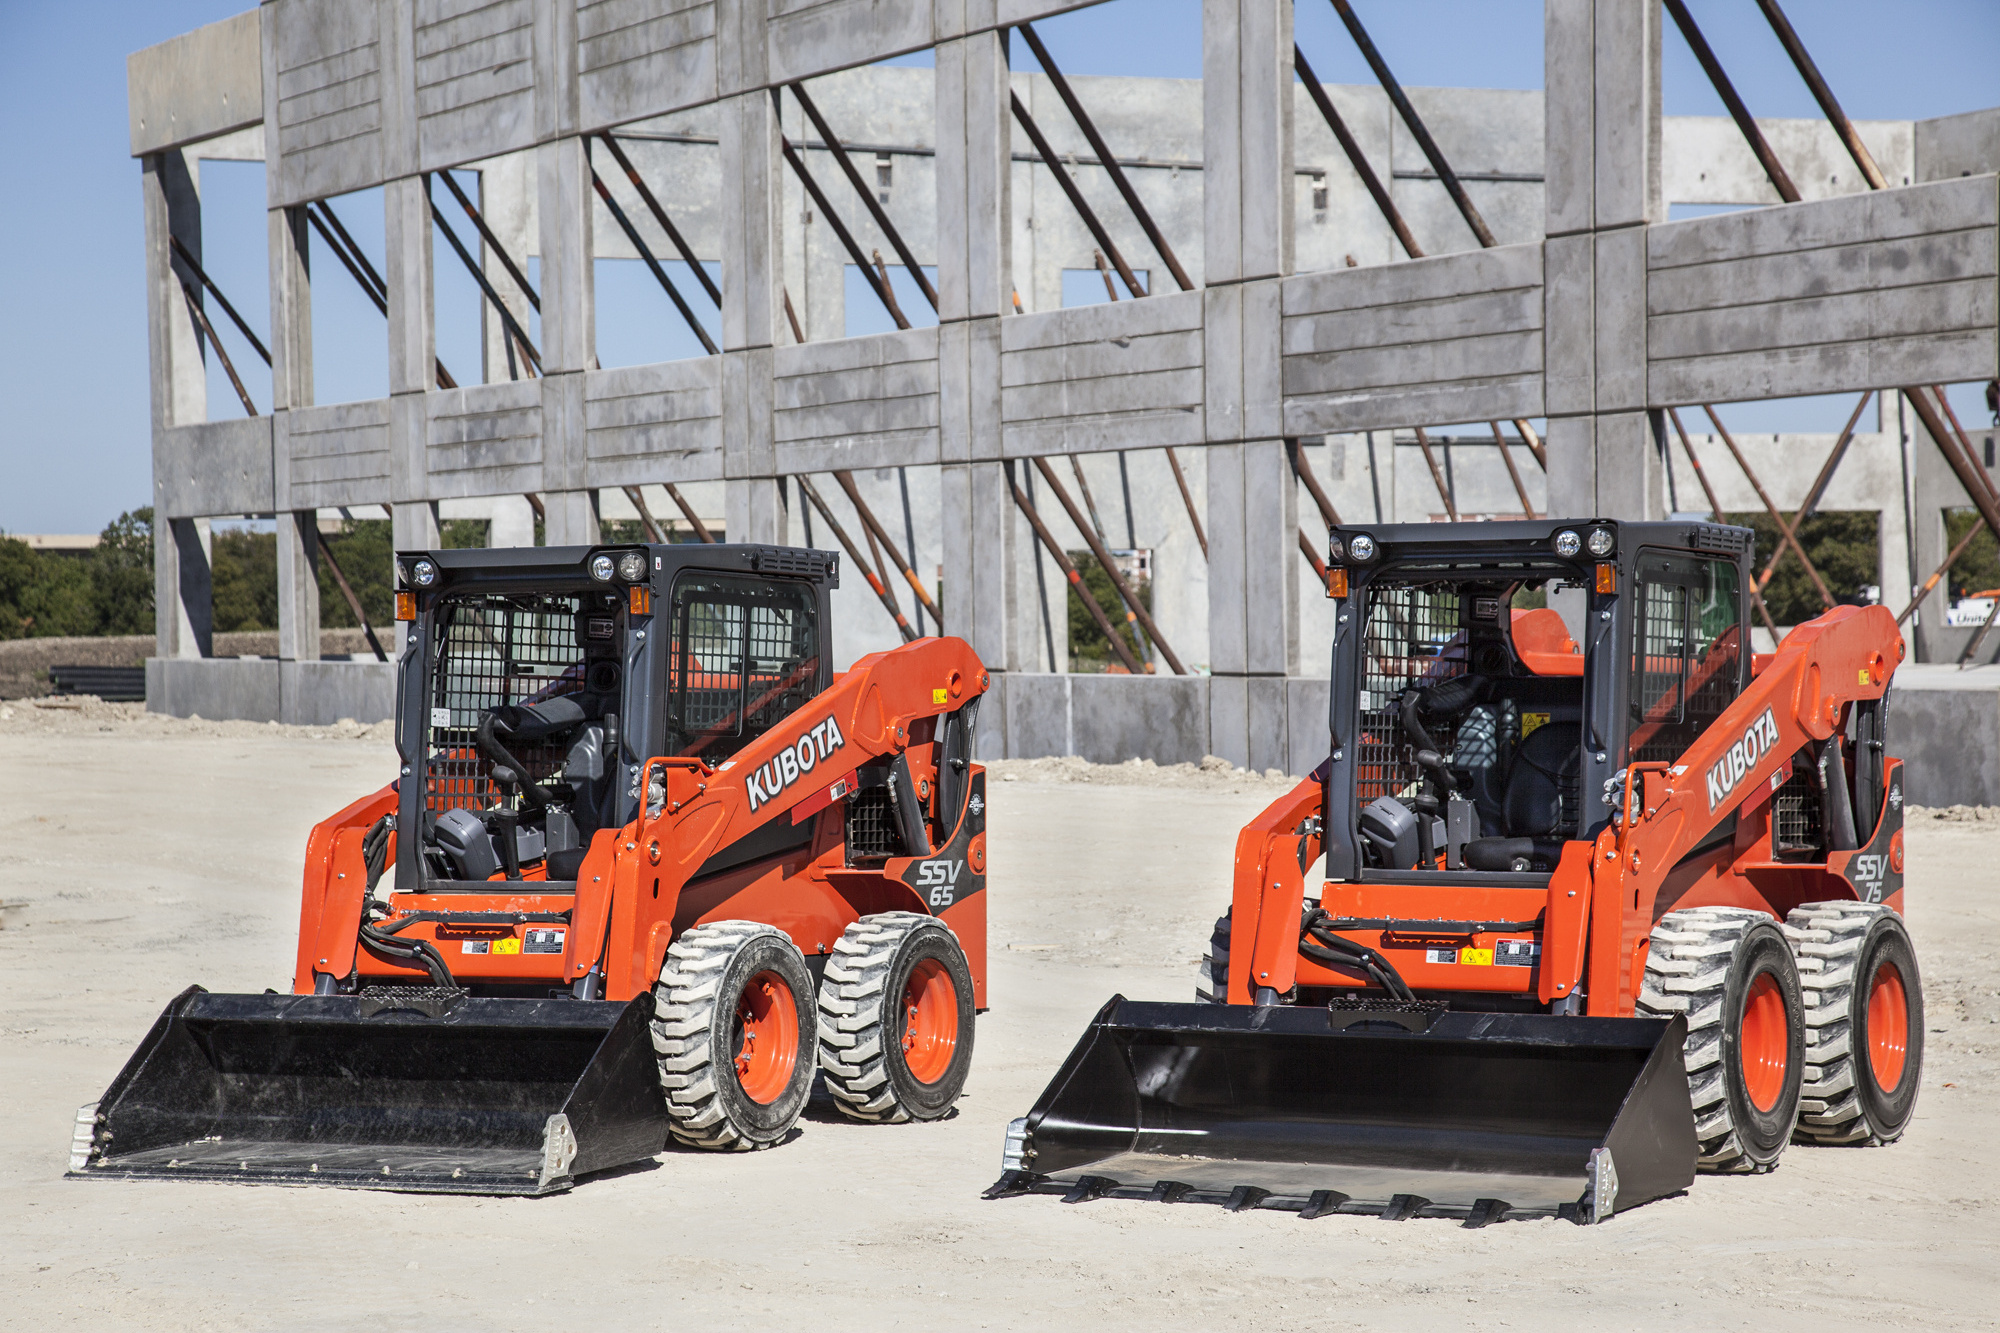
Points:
(767, 1038)
(1888, 1026)
(930, 1021)
(1765, 1045)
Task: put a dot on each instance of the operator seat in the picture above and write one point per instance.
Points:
(1539, 805)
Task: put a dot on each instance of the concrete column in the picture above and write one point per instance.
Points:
(172, 202)
(1252, 497)
(572, 518)
(513, 522)
(568, 253)
(407, 271)
(298, 586)
(752, 295)
(505, 198)
(974, 178)
(183, 595)
(1603, 190)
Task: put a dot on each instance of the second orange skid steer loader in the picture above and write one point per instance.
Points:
(648, 865)
(1606, 899)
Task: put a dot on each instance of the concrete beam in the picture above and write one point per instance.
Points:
(196, 86)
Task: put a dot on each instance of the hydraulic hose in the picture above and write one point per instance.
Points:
(1318, 942)
(375, 857)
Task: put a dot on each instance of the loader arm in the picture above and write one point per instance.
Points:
(1667, 810)
(692, 811)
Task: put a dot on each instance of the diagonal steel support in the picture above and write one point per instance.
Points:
(1803, 62)
(1110, 163)
(1437, 474)
(486, 235)
(221, 352)
(1075, 195)
(1784, 528)
(1819, 486)
(1781, 181)
(874, 526)
(868, 199)
(1355, 157)
(840, 231)
(514, 329)
(1069, 571)
(327, 223)
(687, 512)
(812, 495)
(1187, 499)
(1136, 613)
(1418, 130)
(659, 213)
(201, 276)
(652, 262)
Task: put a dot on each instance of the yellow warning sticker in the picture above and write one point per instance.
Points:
(1471, 957)
(1864, 675)
(940, 696)
(1532, 722)
(512, 945)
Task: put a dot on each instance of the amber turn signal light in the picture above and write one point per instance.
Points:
(406, 606)
(1336, 583)
(1607, 578)
(642, 600)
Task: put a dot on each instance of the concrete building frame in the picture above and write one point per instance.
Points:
(1595, 313)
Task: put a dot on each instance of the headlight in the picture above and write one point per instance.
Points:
(425, 573)
(1601, 541)
(632, 567)
(1361, 546)
(1568, 543)
(600, 568)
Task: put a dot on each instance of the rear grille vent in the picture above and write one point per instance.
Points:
(1796, 829)
(871, 826)
(1716, 537)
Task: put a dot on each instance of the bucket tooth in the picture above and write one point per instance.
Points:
(1087, 1188)
(1403, 1207)
(1245, 1197)
(1321, 1204)
(1485, 1212)
(1169, 1191)
(1010, 1184)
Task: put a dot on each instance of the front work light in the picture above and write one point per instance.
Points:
(632, 566)
(600, 568)
(1567, 543)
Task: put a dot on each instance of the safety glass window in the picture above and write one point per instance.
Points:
(494, 651)
(743, 656)
(1686, 652)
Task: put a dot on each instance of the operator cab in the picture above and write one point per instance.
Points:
(1489, 678)
(536, 682)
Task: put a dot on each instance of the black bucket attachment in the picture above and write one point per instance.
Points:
(427, 1091)
(1397, 1110)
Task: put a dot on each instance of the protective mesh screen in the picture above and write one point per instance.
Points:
(1795, 815)
(1687, 661)
(1415, 636)
(495, 650)
(744, 655)
(1659, 671)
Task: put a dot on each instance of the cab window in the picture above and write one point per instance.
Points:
(1687, 652)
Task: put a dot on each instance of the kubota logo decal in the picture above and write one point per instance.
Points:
(1742, 757)
(794, 761)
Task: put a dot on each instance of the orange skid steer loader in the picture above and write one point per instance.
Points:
(1606, 898)
(648, 865)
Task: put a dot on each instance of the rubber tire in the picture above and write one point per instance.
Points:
(1839, 947)
(1211, 984)
(861, 1019)
(1702, 963)
(694, 1011)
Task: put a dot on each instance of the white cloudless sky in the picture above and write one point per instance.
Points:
(75, 443)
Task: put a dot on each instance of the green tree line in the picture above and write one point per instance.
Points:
(46, 594)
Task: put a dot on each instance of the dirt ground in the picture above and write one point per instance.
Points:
(143, 854)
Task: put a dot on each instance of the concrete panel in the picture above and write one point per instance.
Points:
(856, 402)
(639, 58)
(1949, 740)
(323, 693)
(1788, 372)
(339, 455)
(215, 467)
(809, 37)
(1569, 325)
(1267, 710)
(1037, 713)
(1707, 161)
(1868, 266)
(653, 423)
(329, 97)
(1964, 145)
(196, 86)
(1569, 42)
(1887, 215)
(475, 79)
(1619, 290)
(1115, 718)
(483, 439)
(1310, 734)
(1124, 375)
(221, 689)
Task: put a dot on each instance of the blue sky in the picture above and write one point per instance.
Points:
(74, 434)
